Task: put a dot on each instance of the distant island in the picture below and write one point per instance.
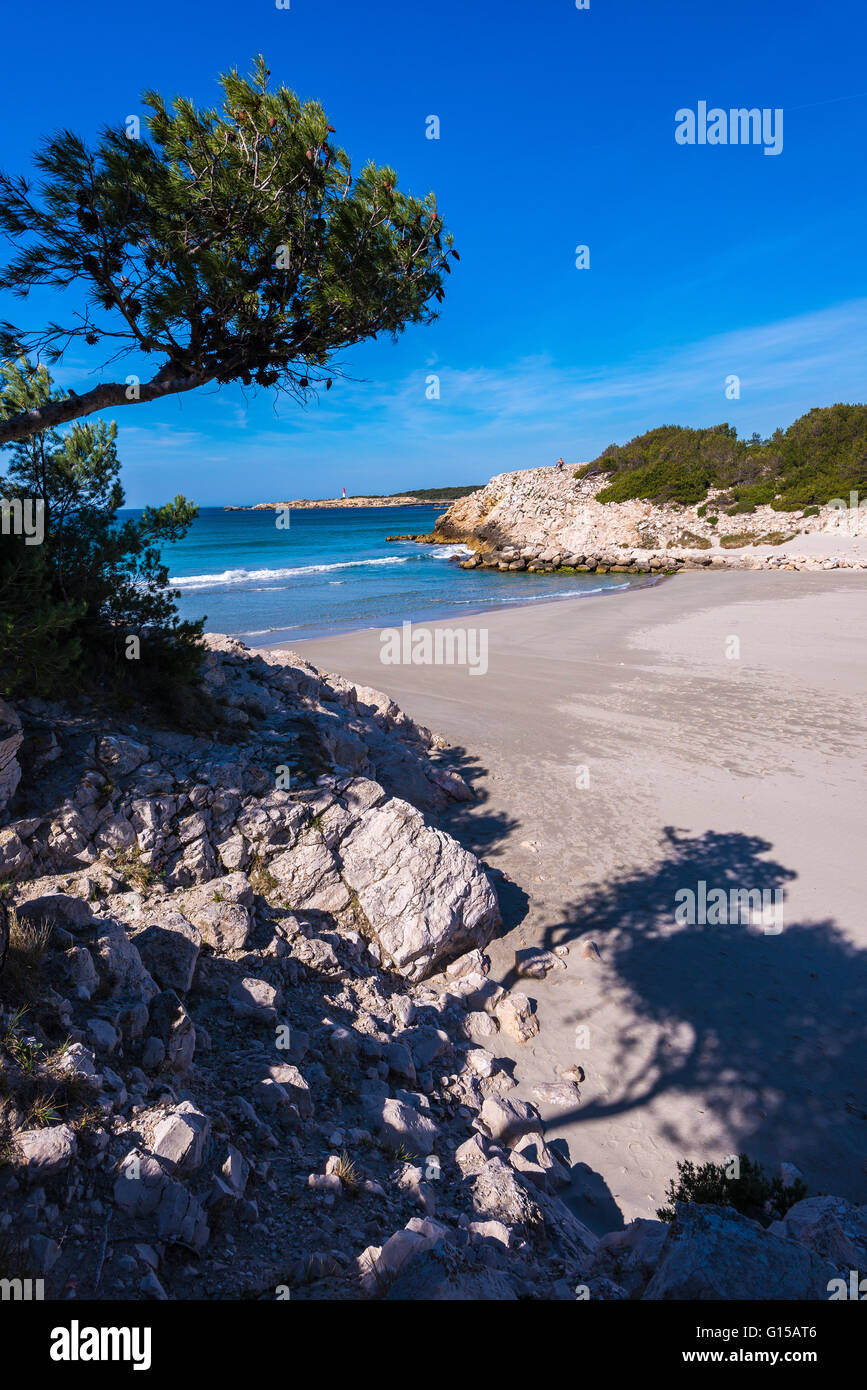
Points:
(423, 496)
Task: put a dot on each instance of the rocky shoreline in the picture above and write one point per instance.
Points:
(248, 1031)
(541, 520)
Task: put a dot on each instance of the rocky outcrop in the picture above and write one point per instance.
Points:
(711, 1253)
(320, 790)
(235, 937)
(246, 1002)
(542, 519)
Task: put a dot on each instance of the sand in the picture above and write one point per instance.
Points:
(748, 771)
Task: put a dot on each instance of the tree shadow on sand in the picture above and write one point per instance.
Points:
(763, 1035)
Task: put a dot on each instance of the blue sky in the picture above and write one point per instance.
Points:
(557, 129)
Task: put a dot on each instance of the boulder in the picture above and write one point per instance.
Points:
(69, 835)
(255, 998)
(378, 1267)
(64, 908)
(79, 1062)
(480, 1061)
(179, 1139)
(562, 1095)
(439, 1276)
(424, 898)
(170, 949)
(629, 1257)
(235, 1171)
(119, 964)
(103, 1035)
(516, 1017)
(541, 1165)
(233, 852)
(172, 1026)
(478, 1025)
(471, 963)
(714, 1253)
(181, 1217)
(470, 1156)
(474, 991)
(14, 854)
(139, 1184)
(534, 964)
(509, 1121)
(289, 1078)
(483, 1231)
(116, 833)
(402, 1125)
(75, 968)
(120, 754)
(221, 909)
(308, 875)
(46, 1151)
(829, 1226)
(498, 1193)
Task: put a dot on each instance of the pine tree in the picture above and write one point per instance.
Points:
(70, 604)
(230, 245)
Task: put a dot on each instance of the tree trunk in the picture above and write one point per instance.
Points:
(104, 397)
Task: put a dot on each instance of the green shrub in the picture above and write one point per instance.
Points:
(751, 1192)
(70, 604)
(774, 538)
(821, 455)
(689, 541)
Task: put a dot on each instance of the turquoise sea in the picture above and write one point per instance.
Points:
(332, 570)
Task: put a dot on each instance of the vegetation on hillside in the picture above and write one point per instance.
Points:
(432, 494)
(820, 456)
(439, 494)
(442, 494)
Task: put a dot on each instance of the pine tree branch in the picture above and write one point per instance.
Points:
(103, 397)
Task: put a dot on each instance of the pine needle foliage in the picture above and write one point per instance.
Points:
(231, 244)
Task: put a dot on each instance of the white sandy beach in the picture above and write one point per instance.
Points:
(745, 773)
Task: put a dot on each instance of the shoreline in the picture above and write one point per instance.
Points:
(703, 1042)
(435, 615)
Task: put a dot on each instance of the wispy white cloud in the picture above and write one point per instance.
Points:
(490, 419)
